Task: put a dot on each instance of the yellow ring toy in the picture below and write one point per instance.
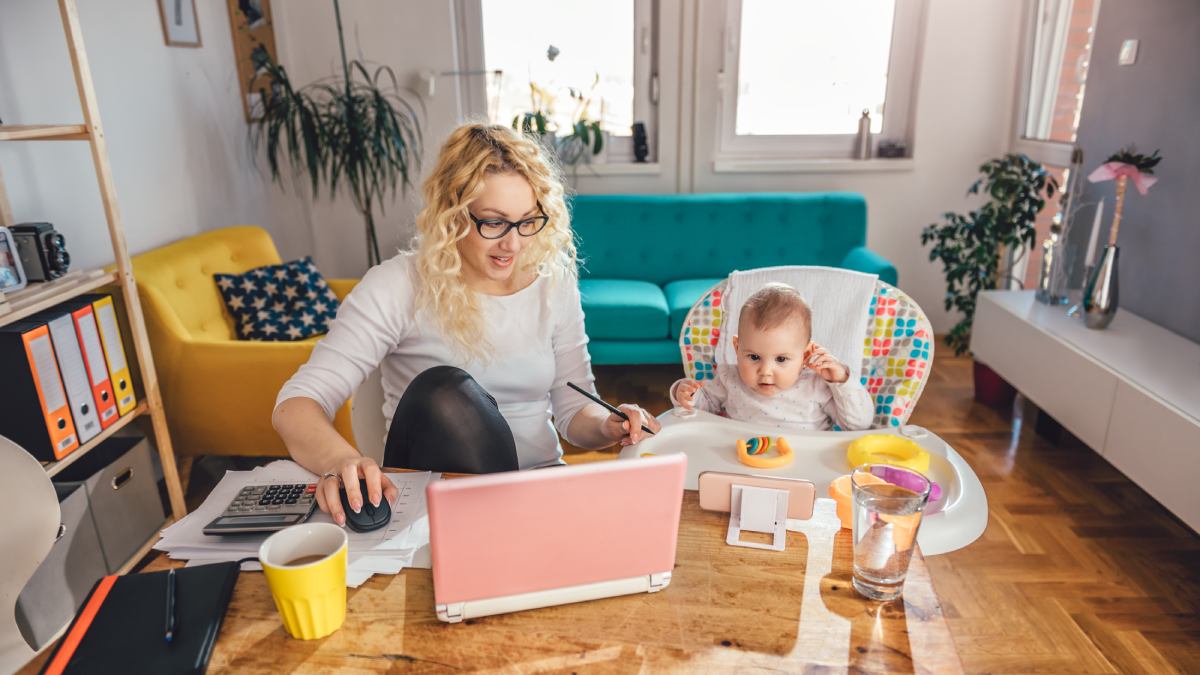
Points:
(751, 452)
(887, 449)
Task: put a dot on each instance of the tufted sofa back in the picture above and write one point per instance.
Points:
(664, 238)
(176, 282)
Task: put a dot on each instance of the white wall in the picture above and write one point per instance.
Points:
(412, 37)
(173, 118)
(177, 134)
(963, 113)
(409, 37)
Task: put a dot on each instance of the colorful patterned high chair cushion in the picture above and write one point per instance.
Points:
(897, 349)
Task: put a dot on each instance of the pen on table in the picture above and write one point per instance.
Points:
(170, 627)
(611, 408)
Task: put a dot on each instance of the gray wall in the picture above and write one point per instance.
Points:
(1154, 103)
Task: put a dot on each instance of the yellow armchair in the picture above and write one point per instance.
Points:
(218, 391)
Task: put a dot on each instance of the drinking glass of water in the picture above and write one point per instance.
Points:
(888, 504)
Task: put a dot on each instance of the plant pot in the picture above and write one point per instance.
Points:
(991, 389)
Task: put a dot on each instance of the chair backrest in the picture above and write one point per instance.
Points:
(27, 530)
(688, 236)
(175, 281)
(897, 349)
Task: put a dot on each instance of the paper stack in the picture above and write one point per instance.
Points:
(403, 543)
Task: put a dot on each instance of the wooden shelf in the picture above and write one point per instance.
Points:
(23, 303)
(43, 132)
(42, 295)
(53, 468)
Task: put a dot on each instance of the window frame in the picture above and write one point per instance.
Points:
(646, 13)
(1057, 153)
(899, 98)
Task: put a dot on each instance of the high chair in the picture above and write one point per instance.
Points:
(896, 351)
(897, 348)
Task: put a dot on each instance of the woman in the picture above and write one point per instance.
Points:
(476, 334)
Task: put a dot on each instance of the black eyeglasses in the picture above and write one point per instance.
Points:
(497, 228)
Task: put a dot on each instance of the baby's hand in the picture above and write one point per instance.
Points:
(829, 368)
(685, 393)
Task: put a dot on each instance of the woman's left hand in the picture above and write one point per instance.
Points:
(629, 431)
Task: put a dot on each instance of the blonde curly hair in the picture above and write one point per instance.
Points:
(470, 154)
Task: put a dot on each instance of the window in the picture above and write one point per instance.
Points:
(1058, 48)
(1057, 52)
(797, 75)
(572, 59)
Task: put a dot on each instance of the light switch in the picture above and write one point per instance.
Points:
(1128, 55)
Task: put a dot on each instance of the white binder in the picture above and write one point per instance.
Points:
(74, 377)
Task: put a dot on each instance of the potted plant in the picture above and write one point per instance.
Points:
(585, 140)
(586, 136)
(357, 132)
(976, 249)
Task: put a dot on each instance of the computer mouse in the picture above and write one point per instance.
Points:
(370, 517)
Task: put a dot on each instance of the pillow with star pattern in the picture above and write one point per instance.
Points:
(278, 303)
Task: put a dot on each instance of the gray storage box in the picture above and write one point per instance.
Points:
(60, 585)
(123, 493)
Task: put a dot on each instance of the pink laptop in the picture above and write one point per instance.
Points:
(512, 541)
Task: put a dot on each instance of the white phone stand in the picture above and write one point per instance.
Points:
(756, 509)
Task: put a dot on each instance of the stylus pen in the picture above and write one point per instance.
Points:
(610, 408)
(170, 628)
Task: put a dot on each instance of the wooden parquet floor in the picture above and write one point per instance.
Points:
(1079, 570)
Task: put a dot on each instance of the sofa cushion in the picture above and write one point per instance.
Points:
(695, 236)
(279, 302)
(681, 295)
(623, 309)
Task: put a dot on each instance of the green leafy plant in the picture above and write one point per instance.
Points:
(585, 133)
(971, 246)
(585, 137)
(356, 133)
(531, 123)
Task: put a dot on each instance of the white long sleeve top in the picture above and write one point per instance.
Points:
(810, 404)
(539, 346)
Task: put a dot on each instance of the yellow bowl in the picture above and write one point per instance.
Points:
(887, 449)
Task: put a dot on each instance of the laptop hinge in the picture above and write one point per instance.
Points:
(659, 581)
(451, 613)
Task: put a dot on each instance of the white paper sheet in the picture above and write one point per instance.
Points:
(403, 543)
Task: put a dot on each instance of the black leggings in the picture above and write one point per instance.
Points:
(446, 421)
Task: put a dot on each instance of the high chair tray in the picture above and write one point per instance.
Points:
(710, 442)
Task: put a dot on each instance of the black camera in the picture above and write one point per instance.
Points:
(42, 249)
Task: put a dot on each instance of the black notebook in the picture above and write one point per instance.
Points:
(121, 626)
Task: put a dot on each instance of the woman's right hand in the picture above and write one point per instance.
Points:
(685, 393)
(347, 472)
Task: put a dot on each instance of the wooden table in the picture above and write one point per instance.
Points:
(726, 608)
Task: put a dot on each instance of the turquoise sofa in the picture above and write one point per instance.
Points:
(648, 258)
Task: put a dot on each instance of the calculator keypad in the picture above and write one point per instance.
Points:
(274, 499)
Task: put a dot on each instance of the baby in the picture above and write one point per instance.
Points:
(783, 379)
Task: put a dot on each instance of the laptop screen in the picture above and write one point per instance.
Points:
(523, 531)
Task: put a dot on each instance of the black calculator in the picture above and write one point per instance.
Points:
(265, 508)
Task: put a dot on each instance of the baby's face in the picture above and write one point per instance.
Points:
(769, 361)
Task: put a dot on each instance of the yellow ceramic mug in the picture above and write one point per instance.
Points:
(306, 570)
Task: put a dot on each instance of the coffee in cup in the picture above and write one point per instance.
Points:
(305, 566)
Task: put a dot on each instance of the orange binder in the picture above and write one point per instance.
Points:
(114, 351)
(93, 360)
(33, 402)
